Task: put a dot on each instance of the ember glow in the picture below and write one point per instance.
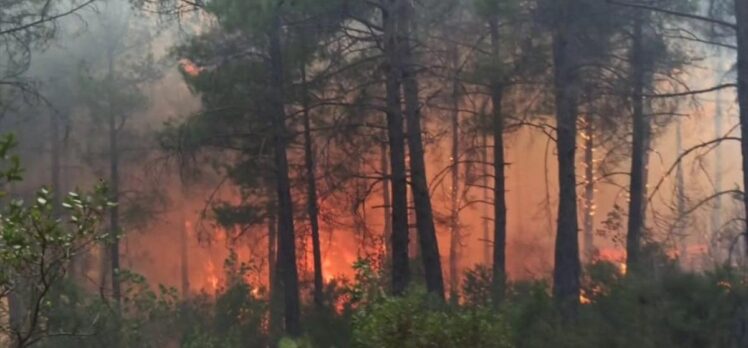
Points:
(211, 279)
(189, 67)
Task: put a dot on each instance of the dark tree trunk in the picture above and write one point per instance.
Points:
(184, 256)
(114, 223)
(455, 234)
(636, 188)
(386, 201)
(55, 152)
(567, 266)
(286, 267)
(396, 134)
(419, 183)
(414, 248)
(741, 15)
(647, 155)
(487, 259)
(589, 188)
(740, 326)
(274, 286)
(499, 166)
(680, 196)
(272, 222)
(311, 186)
(716, 215)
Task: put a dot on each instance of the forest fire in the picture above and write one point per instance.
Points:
(211, 280)
(615, 256)
(374, 173)
(189, 67)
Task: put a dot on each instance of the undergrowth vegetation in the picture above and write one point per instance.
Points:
(666, 308)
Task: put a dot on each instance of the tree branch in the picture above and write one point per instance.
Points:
(720, 22)
(45, 19)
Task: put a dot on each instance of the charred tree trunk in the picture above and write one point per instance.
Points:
(386, 201)
(647, 156)
(567, 266)
(680, 195)
(311, 186)
(741, 15)
(589, 188)
(55, 170)
(499, 166)
(487, 259)
(414, 248)
(456, 239)
(396, 135)
(114, 222)
(286, 267)
(272, 222)
(274, 286)
(716, 215)
(184, 257)
(636, 188)
(419, 183)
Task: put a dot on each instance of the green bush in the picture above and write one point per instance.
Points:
(669, 309)
(418, 320)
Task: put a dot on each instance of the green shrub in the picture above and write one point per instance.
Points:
(418, 320)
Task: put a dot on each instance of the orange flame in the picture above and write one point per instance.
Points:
(189, 67)
(211, 279)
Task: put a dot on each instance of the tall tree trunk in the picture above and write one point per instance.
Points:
(275, 289)
(456, 238)
(55, 170)
(499, 166)
(419, 184)
(487, 258)
(311, 186)
(396, 135)
(680, 195)
(589, 188)
(386, 201)
(272, 222)
(741, 15)
(286, 267)
(114, 223)
(716, 216)
(184, 256)
(636, 188)
(647, 156)
(567, 266)
(414, 248)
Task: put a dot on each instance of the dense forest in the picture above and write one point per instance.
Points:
(373, 173)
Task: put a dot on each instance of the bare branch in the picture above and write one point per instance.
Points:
(675, 13)
(46, 19)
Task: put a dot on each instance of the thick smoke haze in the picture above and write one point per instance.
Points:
(153, 248)
(294, 156)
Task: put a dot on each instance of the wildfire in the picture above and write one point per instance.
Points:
(327, 269)
(338, 258)
(189, 67)
(211, 278)
(616, 256)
